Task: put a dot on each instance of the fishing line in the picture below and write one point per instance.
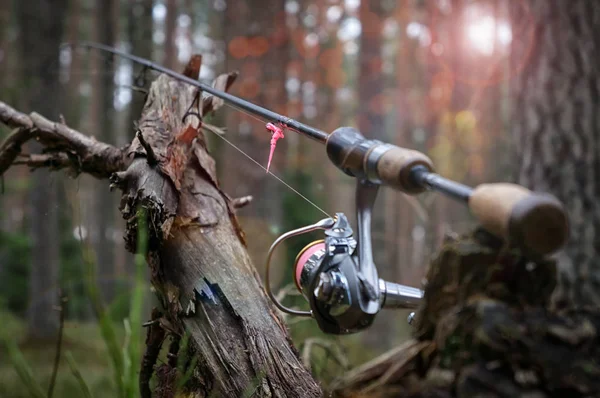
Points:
(277, 178)
(260, 165)
(100, 70)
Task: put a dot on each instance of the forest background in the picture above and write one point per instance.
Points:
(430, 75)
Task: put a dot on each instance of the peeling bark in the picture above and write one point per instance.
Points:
(198, 258)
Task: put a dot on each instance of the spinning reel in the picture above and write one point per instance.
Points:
(337, 275)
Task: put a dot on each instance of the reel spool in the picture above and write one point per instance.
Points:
(307, 260)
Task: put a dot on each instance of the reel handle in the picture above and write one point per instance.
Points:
(395, 295)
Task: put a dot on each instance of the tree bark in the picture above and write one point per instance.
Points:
(197, 255)
(201, 265)
(556, 126)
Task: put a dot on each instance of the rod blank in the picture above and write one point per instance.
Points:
(311, 132)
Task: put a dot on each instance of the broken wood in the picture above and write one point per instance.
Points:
(199, 265)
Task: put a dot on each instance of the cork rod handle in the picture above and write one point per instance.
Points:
(535, 222)
(395, 166)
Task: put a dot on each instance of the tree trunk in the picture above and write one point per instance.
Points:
(556, 126)
(39, 48)
(199, 262)
(105, 202)
(170, 55)
(139, 29)
(371, 123)
(257, 46)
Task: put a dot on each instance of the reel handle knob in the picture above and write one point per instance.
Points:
(538, 223)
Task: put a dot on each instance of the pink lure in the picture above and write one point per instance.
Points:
(277, 134)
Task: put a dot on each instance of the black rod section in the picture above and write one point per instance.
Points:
(311, 132)
(433, 181)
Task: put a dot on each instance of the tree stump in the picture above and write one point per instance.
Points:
(197, 254)
(485, 329)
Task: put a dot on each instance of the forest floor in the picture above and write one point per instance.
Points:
(329, 356)
(82, 340)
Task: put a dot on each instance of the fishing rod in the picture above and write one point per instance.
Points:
(337, 274)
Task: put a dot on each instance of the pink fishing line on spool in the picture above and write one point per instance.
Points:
(303, 257)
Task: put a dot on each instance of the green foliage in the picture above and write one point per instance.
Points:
(15, 249)
(125, 361)
(106, 326)
(72, 271)
(83, 344)
(185, 364)
(123, 346)
(132, 356)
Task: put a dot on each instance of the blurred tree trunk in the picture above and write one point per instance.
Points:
(5, 9)
(401, 218)
(371, 123)
(556, 126)
(170, 59)
(257, 47)
(104, 116)
(139, 29)
(41, 25)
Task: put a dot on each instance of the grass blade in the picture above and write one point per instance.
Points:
(23, 370)
(137, 303)
(106, 326)
(74, 369)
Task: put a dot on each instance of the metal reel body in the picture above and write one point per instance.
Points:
(329, 278)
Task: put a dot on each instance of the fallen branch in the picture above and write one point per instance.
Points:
(63, 146)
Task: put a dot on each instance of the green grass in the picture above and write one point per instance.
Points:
(98, 359)
(83, 341)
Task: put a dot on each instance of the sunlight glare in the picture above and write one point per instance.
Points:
(481, 35)
(352, 4)
(504, 34)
